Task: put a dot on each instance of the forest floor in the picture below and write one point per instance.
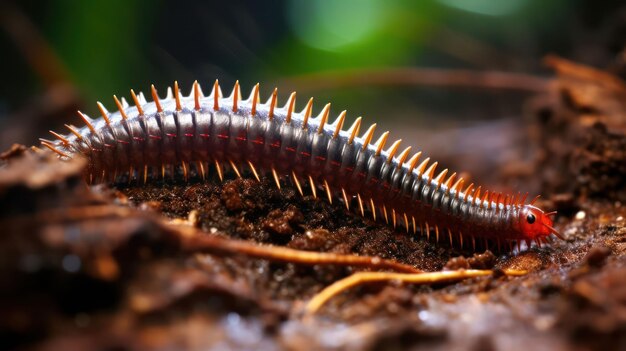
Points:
(116, 267)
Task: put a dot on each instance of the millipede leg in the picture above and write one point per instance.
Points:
(328, 192)
(358, 196)
(345, 198)
(406, 222)
(254, 172)
(200, 167)
(185, 171)
(276, 178)
(218, 167)
(235, 169)
(313, 188)
(383, 210)
(297, 182)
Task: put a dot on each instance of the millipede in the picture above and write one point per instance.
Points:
(186, 136)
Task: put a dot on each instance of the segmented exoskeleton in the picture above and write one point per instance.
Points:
(187, 135)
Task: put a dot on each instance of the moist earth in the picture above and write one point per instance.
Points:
(96, 268)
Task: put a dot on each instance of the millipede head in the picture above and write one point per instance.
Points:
(534, 223)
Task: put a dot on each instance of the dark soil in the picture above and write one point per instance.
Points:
(96, 268)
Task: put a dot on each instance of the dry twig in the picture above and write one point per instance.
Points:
(361, 278)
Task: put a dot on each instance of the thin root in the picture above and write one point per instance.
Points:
(195, 242)
(361, 278)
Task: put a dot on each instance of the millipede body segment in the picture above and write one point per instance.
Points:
(188, 135)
